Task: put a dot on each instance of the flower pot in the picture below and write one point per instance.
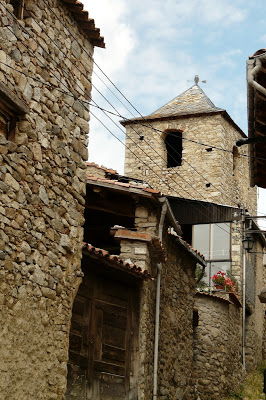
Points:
(219, 287)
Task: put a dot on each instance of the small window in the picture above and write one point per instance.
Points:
(18, 7)
(11, 109)
(173, 143)
(7, 122)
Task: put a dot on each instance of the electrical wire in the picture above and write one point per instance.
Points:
(122, 142)
(176, 152)
(138, 146)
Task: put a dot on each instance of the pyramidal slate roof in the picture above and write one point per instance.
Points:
(192, 101)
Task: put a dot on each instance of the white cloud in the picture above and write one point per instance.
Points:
(152, 48)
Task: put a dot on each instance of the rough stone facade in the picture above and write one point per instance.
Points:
(142, 247)
(226, 173)
(207, 173)
(218, 336)
(42, 184)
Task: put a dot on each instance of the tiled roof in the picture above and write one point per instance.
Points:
(186, 244)
(101, 167)
(192, 101)
(85, 23)
(116, 262)
(119, 185)
(214, 297)
(227, 297)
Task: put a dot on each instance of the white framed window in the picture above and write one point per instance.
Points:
(214, 242)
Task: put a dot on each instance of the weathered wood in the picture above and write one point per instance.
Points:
(116, 309)
(12, 101)
(115, 354)
(101, 366)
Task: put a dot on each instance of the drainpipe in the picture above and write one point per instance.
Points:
(251, 85)
(244, 299)
(253, 72)
(157, 307)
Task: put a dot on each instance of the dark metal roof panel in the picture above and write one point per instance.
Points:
(193, 212)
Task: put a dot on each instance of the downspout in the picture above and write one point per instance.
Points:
(157, 307)
(252, 84)
(253, 72)
(244, 299)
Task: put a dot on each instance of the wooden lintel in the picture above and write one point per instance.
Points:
(113, 207)
(12, 101)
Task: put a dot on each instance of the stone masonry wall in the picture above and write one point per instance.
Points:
(176, 330)
(227, 175)
(42, 184)
(176, 310)
(255, 321)
(217, 348)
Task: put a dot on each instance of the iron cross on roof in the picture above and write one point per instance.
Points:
(196, 80)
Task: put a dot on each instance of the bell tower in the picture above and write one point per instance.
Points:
(187, 149)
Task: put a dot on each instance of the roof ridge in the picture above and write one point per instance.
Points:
(190, 105)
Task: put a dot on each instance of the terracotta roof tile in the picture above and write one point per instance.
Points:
(123, 184)
(228, 297)
(115, 261)
(111, 171)
(214, 296)
(186, 244)
(85, 23)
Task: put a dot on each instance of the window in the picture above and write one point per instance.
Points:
(214, 242)
(173, 143)
(18, 7)
(11, 108)
(7, 122)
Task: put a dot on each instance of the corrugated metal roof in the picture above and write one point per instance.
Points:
(187, 211)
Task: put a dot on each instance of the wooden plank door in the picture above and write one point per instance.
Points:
(100, 341)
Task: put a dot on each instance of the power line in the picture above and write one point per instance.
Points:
(122, 117)
(111, 132)
(133, 141)
(121, 128)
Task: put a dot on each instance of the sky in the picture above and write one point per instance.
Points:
(154, 48)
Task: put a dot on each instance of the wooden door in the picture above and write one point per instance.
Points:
(102, 341)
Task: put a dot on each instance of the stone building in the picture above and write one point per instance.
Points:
(188, 151)
(112, 336)
(46, 58)
(183, 141)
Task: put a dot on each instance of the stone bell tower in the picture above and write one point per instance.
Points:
(187, 149)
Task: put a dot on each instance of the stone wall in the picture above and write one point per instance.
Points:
(256, 315)
(42, 184)
(176, 329)
(217, 347)
(227, 174)
(176, 311)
